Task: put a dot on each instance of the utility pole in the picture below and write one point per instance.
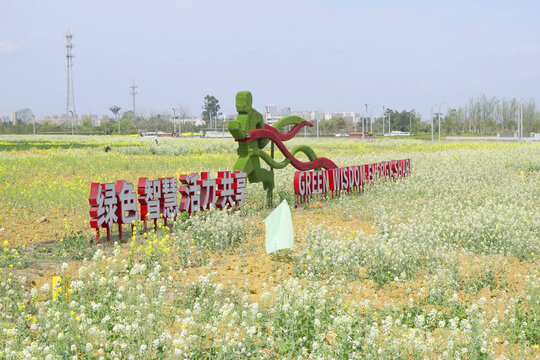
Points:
(440, 120)
(389, 118)
(383, 119)
(180, 121)
(174, 119)
(371, 119)
(432, 121)
(223, 127)
(364, 119)
(520, 123)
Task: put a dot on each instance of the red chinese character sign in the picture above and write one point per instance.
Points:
(103, 205)
(116, 203)
(127, 204)
(208, 191)
(191, 193)
(150, 200)
(169, 199)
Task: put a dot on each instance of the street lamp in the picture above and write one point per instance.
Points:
(72, 116)
(383, 119)
(371, 119)
(389, 118)
(432, 121)
(440, 120)
(223, 126)
(520, 123)
(364, 119)
(174, 118)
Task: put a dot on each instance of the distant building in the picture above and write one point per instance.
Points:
(349, 116)
(316, 116)
(13, 117)
(272, 110)
(306, 115)
(271, 116)
(196, 120)
(271, 120)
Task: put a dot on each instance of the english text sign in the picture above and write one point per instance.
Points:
(350, 178)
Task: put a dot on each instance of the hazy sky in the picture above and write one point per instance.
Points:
(317, 55)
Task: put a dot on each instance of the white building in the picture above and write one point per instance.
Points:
(349, 116)
(272, 110)
(197, 120)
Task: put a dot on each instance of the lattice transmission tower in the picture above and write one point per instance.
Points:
(133, 93)
(70, 98)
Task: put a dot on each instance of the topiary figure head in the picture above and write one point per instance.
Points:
(244, 99)
(248, 118)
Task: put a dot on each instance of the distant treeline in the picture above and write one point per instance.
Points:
(482, 115)
(485, 115)
(128, 125)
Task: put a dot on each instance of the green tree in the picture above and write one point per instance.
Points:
(126, 127)
(86, 125)
(400, 121)
(210, 109)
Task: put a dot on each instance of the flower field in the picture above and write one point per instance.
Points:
(440, 265)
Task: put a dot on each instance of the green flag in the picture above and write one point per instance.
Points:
(279, 229)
